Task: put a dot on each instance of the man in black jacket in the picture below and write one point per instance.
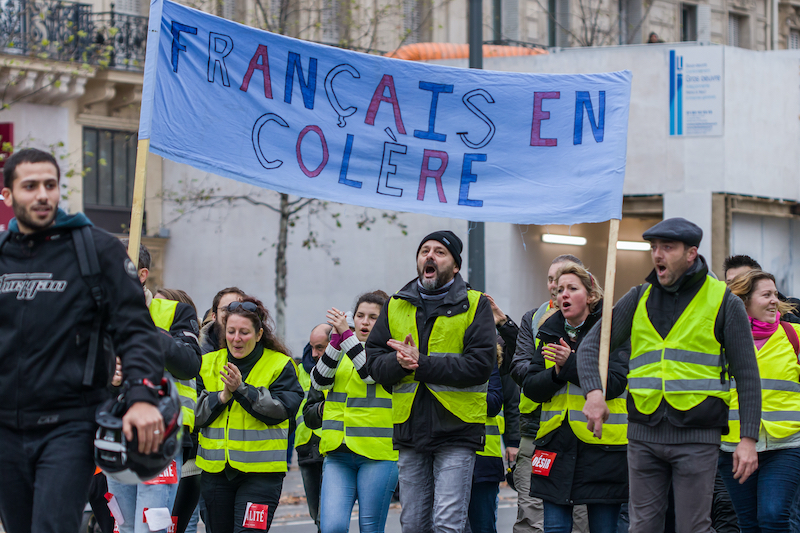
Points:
(46, 322)
(434, 347)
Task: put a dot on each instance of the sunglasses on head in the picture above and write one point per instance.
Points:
(247, 306)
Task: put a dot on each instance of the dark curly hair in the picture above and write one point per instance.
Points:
(261, 319)
(375, 297)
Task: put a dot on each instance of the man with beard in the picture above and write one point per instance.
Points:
(689, 336)
(49, 387)
(434, 348)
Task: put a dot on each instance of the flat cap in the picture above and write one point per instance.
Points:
(675, 229)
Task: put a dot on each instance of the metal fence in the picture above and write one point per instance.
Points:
(70, 31)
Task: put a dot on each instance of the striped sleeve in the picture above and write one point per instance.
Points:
(323, 373)
(355, 351)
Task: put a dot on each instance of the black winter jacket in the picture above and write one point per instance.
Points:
(581, 472)
(182, 357)
(309, 452)
(46, 314)
(430, 425)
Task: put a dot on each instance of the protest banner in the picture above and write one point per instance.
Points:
(321, 122)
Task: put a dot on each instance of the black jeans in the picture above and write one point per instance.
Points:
(44, 477)
(312, 483)
(226, 499)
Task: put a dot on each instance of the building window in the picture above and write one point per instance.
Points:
(329, 20)
(411, 21)
(558, 23)
(227, 9)
(735, 27)
(794, 40)
(128, 7)
(109, 161)
(688, 22)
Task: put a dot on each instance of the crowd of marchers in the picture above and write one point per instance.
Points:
(157, 416)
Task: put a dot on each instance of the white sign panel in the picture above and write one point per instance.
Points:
(695, 91)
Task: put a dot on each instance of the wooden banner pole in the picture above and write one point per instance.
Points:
(137, 209)
(608, 301)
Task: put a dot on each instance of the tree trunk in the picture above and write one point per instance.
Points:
(280, 268)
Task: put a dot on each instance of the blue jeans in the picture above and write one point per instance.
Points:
(483, 507)
(764, 501)
(347, 477)
(602, 517)
(435, 489)
(134, 499)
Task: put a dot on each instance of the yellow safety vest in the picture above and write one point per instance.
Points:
(567, 404)
(526, 405)
(163, 314)
(780, 389)
(446, 340)
(495, 427)
(358, 415)
(685, 367)
(302, 434)
(236, 437)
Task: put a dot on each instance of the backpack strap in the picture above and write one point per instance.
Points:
(90, 271)
(792, 334)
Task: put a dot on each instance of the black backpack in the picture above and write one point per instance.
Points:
(89, 265)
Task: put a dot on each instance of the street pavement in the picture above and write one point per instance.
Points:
(292, 516)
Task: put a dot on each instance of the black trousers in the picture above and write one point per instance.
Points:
(312, 483)
(226, 499)
(44, 477)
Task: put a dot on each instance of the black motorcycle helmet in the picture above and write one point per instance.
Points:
(119, 458)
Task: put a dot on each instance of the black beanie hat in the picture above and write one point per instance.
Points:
(450, 241)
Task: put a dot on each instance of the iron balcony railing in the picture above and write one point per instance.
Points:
(70, 31)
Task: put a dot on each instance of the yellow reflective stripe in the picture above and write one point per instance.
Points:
(373, 432)
(644, 383)
(779, 385)
(780, 416)
(644, 359)
(613, 418)
(213, 433)
(690, 385)
(258, 434)
(371, 399)
(445, 388)
(258, 456)
(492, 430)
(695, 358)
(336, 425)
(211, 454)
(336, 397)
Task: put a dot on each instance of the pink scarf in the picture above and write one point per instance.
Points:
(762, 331)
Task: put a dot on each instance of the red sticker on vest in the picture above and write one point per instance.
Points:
(168, 477)
(542, 462)
(255, 516)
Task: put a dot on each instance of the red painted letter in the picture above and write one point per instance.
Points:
(386, 83)
(261, 52)
(428, 172)
(539, 116)
(312, 173)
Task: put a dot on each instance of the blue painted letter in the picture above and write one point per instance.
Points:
(468, 177)
(177, 28)
(583, 100)
(307, 88)
(435, 88)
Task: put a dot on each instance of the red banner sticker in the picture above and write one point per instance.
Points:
(542, 462)
(168, 477)
(255, 516)
(116, 527)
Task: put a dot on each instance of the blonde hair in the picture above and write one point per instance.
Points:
(744, 285)
(594, 290)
